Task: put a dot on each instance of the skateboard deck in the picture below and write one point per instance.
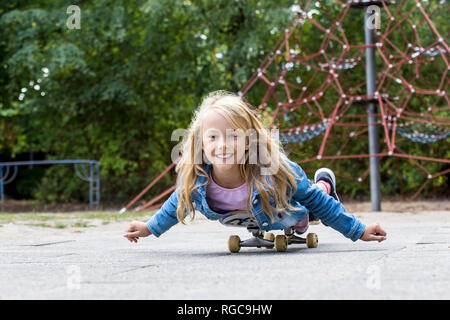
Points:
(239, 220)
(260, 238)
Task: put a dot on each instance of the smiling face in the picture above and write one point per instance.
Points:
(222, 144)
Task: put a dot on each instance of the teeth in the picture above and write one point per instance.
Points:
(224, 157)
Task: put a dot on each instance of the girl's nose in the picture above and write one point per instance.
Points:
(222, 150)
(221, 144)
(226, 144)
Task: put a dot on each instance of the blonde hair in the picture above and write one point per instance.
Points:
(240, 115)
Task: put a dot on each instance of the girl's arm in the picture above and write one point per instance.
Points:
(135, 230)
(166, 217)
(325, 207)
(163, 220)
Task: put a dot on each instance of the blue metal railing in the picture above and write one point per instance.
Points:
(92, 177)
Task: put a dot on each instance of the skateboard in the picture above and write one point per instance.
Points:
(262, 239)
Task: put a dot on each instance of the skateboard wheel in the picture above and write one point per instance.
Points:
(280, 243)
(311, 240)
(234, 244)
(270, 237)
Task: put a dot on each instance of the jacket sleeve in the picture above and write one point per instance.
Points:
(325, 207)
(166, 217)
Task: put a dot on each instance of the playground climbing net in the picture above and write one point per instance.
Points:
(314, 87)
(313, 82)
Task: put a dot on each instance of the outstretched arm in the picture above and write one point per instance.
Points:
(163, 220)
(325, 207)
(135, 230)
(166, 217)
(372, 232)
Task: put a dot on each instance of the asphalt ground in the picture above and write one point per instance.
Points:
(193, 262)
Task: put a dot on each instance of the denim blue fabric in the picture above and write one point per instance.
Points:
(308, 197)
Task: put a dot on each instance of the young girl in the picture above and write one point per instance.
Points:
(234, 171)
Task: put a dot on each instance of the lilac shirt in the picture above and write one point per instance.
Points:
(222, 199)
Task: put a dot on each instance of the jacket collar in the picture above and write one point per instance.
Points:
(202, 179)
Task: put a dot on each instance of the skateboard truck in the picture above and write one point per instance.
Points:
(268, 240)
(258, 240)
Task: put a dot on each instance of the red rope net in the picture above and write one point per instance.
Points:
(313, 83)
(315, 86)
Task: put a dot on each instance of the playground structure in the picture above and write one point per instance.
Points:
(93, 177)
(310, 87)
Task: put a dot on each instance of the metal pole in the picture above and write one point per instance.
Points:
(2, 196)
(371, 86)
(98, 185)
(91, 184)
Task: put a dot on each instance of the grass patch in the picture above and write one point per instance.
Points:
(81, 224)
(59, 225)
(102, 215)
(43, 225)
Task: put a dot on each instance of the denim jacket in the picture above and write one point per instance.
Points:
(308, 197)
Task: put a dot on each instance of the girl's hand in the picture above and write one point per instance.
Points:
(374, 232)
(137, 229)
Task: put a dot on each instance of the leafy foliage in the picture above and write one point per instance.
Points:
(115, 89)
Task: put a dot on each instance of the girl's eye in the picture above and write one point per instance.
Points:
(234, 136)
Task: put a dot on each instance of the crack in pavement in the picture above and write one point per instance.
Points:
(45, 244)
(104, 282)
(437, 242)
(141, 267)
(66, 254)
(384, 256)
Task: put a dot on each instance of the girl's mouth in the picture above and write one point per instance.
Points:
(224, 156)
